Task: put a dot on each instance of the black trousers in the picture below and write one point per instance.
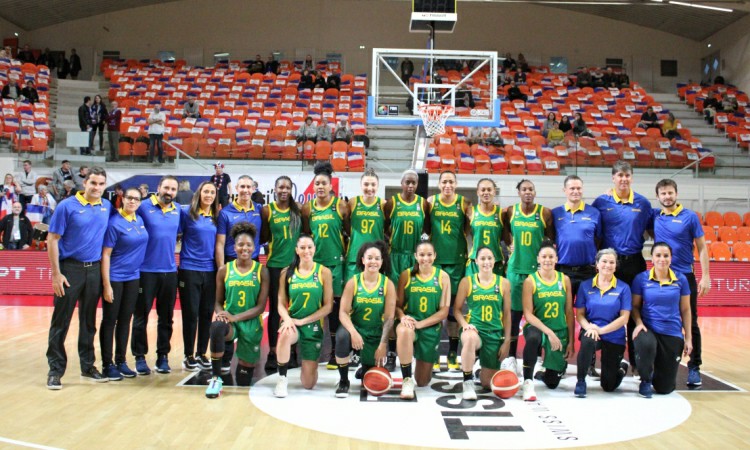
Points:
(92, 135)
(577, 275)
(155, 144)
(695, 356)
(163, 288)
(116, 317)
(273, 305)
(627, 269)
(197, 298)
(85, 288)
(611, 357)
(515, 323)
(658, 357)
(531, 350)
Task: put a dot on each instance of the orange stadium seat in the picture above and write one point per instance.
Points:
(741, 251)
(709, 234)
(746, 219)
(727, 234)
(720, 251)
(732, 219)
(743, 234)
(714, 219)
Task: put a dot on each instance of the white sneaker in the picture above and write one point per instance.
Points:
(538, 366)
(281, 387)
(529, 395)
(469, 392)
(407, 388)
(510, 363)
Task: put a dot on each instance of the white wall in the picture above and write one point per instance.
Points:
(247, 27)
(734, 44)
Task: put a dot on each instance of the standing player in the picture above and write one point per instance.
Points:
(548, 309)
(326, 217)
(486, 328)
(448, 222)
(74, 247)
(305, 300)
(241, 294)
(367, 311)
(422, 305)
(680, 228)
(486, 228)
(158, 275)
(525, 226)
(282, 224)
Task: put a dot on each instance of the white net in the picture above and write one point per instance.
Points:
(434, 117)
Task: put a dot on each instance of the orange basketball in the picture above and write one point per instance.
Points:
(377, 381)
(505, 383)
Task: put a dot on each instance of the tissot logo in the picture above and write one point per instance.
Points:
(438, 417)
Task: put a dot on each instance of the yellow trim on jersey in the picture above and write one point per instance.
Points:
(315, 204)
(439, 200)
(226, 274)
(362, 282)
(428, 278)
(494, 211)
(551, 283)
(623, 200)
(80, 197)
(126, 216)
(155, 202)
(274, 206)
(612, 284)
(492, 283)
(241, 208)
(581, 207)
(251, 270)
(652, 276)
(674, 213)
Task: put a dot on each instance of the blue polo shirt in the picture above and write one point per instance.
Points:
(82, 226)
(604, 306)
(577, 231)
(198, 242)
(624, 220)
(128, 238)
(162, 226)
(679, 229)
(661, 301)
(232, 214)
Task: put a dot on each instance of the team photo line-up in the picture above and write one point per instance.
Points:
(388, 275)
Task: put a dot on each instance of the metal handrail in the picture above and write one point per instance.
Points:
(691, 164)
(179, 150)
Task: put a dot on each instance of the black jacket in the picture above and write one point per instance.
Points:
(84, 118)
(6, 228)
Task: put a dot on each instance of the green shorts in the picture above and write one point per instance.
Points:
(399, 263)
(426, 343)
(489, 349)
(472, 268)
(455, 273)
(555, 360)
(310, 340)
(516, 289)
(371, 338)
(350, 270)
(337, 276)
(248, 333)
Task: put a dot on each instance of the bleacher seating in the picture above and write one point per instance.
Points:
(726, 235)
(25, 124)
(735, 125)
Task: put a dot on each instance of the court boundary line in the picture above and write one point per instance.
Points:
(27, 444)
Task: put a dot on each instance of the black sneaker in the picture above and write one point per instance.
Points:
(539, 375)
(271, 363)
(190, 364)
(342, 389)
(593, 373)
(203, 362)
(54, 383)
(390, 361)
(360, 373)
(93, 375)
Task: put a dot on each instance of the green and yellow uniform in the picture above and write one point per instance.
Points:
(306, 297)
(327, 227)
(486, 231)
(368, 307)
(485, 304)
(528, 234)
(422, 300)
(241, 292)
(407, 223)
(449, 239)
(368, 225)
(283, 238)
(549, 307)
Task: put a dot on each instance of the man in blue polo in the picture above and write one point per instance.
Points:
(74, 247)
(626, 216)
(158, 275)
(680, 228)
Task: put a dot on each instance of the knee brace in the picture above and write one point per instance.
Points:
(244, 375)
(219, 331)
(552, 378)
(343, 343)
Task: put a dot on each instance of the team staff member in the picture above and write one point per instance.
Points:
(158, 275)
(223, 184)
(74, 248)
(680, 228)
(325, 218)
(486, 228)
(661, 308)
(367, 311)
(122, 255)
(243, 209)
(423, 301)
(197, 274)
(525, 225)
(603, 307)
(282, 224)
(305, 300)
(486, 328)
(448, 221)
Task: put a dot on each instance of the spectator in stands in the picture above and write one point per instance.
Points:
(156, 121)
(565, 124)
(11, 188)
(45, 59)
(549, 123)
(623, 80)
(75, 64)
(509, 63)
(342, 132)
(514, 93)
(69, 190)
(475, 136)
(494, 139)
(98, 113)
(257, 66)
(16, 229)
(191, 109)
(306, 80)
(114, 119)
(11, 90)
(710, 106)
(729, 103)
(143, 189)
(324, 130)
(184, 193)
(223, 184)
(44, 199)
(4, 54)
(520, 77)
(609, 78)
(669, 127)
(29, 92)
(523, 66)
(597, 78)
(320, 81)
(504, 77)
(555, 136)
(308, 64)
(60, 176)
(466, 100)
(272, 66)
(257, 196)
(27, 180)
(579, 126)
(649, 119)
(84, 121)
(333, 82)
(80, 177)
(117, 200)
(718, 80)
(307, 132)
(25, 55)
(407, 70)
(63, 66)
(583, 78)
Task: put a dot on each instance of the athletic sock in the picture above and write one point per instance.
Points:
(344, 371)
(216, 366)
(391, 344)
(244, 376)
(406, 370)
(333, 343)
(282, 369)
(452, 345)
(528, 372)
(468, 376)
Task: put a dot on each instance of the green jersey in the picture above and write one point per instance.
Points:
(327, 228)
(367, 223)
(241, 290)
(549, 301)
(368, 307)
(407, 223)
(283, 237)
(486, 231)
(305, 293)
(422, 297)
(485, 305)
(528, 234)
(448, 235)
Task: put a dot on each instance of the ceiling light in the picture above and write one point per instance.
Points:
(709, 46)
(694, 5)
(15, 34)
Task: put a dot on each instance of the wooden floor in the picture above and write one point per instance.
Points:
(151, 412)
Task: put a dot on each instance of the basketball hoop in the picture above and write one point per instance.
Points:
(434, 117)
